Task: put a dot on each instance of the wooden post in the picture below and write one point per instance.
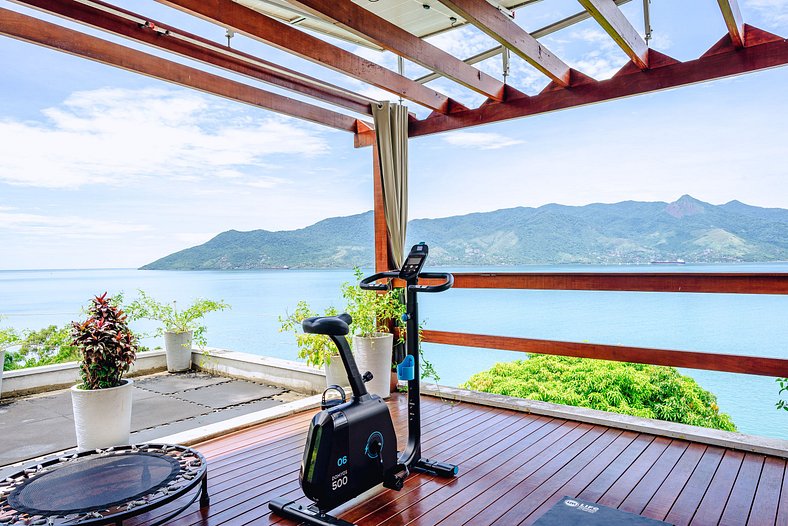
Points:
(382, 252)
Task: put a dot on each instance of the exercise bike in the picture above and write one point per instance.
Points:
(351, 446)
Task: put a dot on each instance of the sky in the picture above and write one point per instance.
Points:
(103, 168)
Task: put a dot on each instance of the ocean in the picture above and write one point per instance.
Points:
(752, 325)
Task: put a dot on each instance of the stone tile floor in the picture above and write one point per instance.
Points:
(164, 404)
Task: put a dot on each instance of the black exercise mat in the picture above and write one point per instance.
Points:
(570, 511)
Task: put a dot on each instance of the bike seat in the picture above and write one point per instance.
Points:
(328, 325)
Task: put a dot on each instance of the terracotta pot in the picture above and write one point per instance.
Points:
(102, 417)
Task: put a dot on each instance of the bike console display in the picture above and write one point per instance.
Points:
(414, 262)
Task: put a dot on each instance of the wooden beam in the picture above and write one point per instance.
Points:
(539, 33)
(139, 28)
(663, 73)
(503, 29)
(609, 16)
(726, 283)
(729, 363)
(227, 13)
(733, 20)
(387, 35)
(36, 31)
(382, 249)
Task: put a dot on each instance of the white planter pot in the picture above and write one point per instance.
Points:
(102, 417)
(178, 346)
(335, 373)
(2, 362)
(373, 354)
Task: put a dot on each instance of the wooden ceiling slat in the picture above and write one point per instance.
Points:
(609, 16)
(500, 27)
(733, 20)
(359, 21)
(36, 31)
(192, 46)
(227, 13)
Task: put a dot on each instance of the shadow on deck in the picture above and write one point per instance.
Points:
(513, 468)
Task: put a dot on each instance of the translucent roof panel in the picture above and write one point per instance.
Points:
(420, 17)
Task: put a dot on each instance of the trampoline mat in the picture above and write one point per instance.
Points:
(94, 483)
(571, 511)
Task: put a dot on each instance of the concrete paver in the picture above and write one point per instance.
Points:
(229, 394)
(163, 404)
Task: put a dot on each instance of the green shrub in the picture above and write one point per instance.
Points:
(43, 347)
(647, 391)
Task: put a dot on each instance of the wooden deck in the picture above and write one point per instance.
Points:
(513, 468)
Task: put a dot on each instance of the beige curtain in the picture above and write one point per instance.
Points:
(391, 132)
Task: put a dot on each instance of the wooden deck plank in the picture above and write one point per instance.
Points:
(489, 505)
(645, 489)
(767, 496)
(664, 498)
(235, 512)
(743, 493)
(531, 491)
(583, 476)
(518, 429)
(430, 435)
(496, 456)
(713, 503)
(683, 509)
(513, 468)
(782, 507)
(619, 467)
(616, 494)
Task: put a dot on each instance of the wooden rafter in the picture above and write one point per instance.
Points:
(764, 50)
(36, 31)
(261, 27)
(609, 16)
(539, 33)
(366, 24)
(503, 29)
(733, 20)
(142, 29)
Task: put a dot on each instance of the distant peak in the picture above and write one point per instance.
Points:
(684, 206)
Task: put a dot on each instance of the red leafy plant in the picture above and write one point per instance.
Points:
(106, 344)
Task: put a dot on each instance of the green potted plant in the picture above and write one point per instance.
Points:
(8, 338)
(374, 314)
(180, 328)
(102, 401)
(317, 349)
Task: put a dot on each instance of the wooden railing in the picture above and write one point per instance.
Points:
(723, 283)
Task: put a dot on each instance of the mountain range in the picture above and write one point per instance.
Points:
(621, 233)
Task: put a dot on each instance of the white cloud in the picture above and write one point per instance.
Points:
(115, 136)
(72, 227)
(774, 12)
(480, 140)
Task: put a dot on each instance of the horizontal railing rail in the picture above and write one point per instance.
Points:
(731, 363)
(720, 283)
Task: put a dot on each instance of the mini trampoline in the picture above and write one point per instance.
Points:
(104, 486)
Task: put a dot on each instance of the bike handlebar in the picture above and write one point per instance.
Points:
(446, 285)
(368, 283)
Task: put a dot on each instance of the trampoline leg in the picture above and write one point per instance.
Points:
(205, 499)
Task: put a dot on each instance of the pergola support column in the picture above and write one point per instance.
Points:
(382, 251)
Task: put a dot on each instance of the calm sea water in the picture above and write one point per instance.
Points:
(726, 323)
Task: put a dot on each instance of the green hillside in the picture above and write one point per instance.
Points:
(626, 232)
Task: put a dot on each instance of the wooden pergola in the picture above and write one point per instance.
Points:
(276, 23)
